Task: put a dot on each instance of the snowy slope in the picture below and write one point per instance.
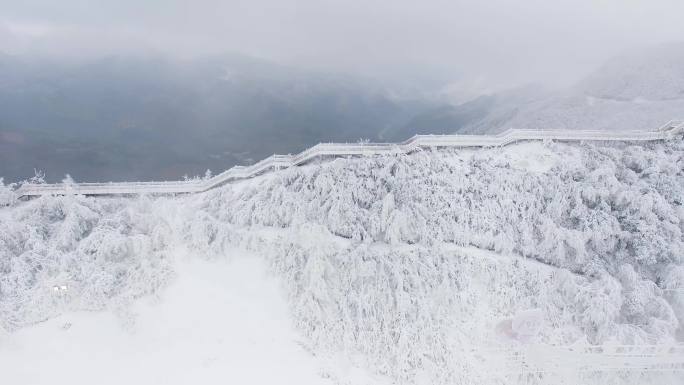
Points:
(219, 322)
(638, 90)
(402, 266)
(650, 74)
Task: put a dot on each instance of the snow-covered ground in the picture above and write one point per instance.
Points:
(397, 268)
(218, 321)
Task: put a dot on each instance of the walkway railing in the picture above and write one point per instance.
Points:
(274, 162)
(540, 358)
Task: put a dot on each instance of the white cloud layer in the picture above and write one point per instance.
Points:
(504, 42)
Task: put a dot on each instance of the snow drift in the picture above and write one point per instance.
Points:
(403, 264)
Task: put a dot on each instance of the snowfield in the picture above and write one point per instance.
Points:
(390, 269)
(218, 322)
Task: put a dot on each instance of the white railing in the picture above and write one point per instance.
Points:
(274, 162)
(539, 358)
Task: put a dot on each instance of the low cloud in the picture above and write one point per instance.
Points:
(500, 43)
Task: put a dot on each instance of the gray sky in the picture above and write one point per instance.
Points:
(483, 45)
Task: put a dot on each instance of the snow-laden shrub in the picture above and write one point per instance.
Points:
(421, 311)
(7, 195)
(600, 209)
(599, 205)
(674, 286)
(382, 257)
(100, 251)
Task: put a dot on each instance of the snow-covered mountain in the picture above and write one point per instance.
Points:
(649, 74)
(401, 266)
(638, 90)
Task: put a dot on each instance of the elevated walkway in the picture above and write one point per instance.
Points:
(274, 162)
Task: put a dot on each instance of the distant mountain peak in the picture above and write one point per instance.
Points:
(653, 74)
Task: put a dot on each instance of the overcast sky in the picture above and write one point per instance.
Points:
(482, 44)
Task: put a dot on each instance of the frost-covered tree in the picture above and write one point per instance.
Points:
(7, 194)
(404, 262)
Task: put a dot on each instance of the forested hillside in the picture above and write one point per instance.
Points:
(404, 263)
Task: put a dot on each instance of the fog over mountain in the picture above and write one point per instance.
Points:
(640, 89)
(132, 90)
(153, 117)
